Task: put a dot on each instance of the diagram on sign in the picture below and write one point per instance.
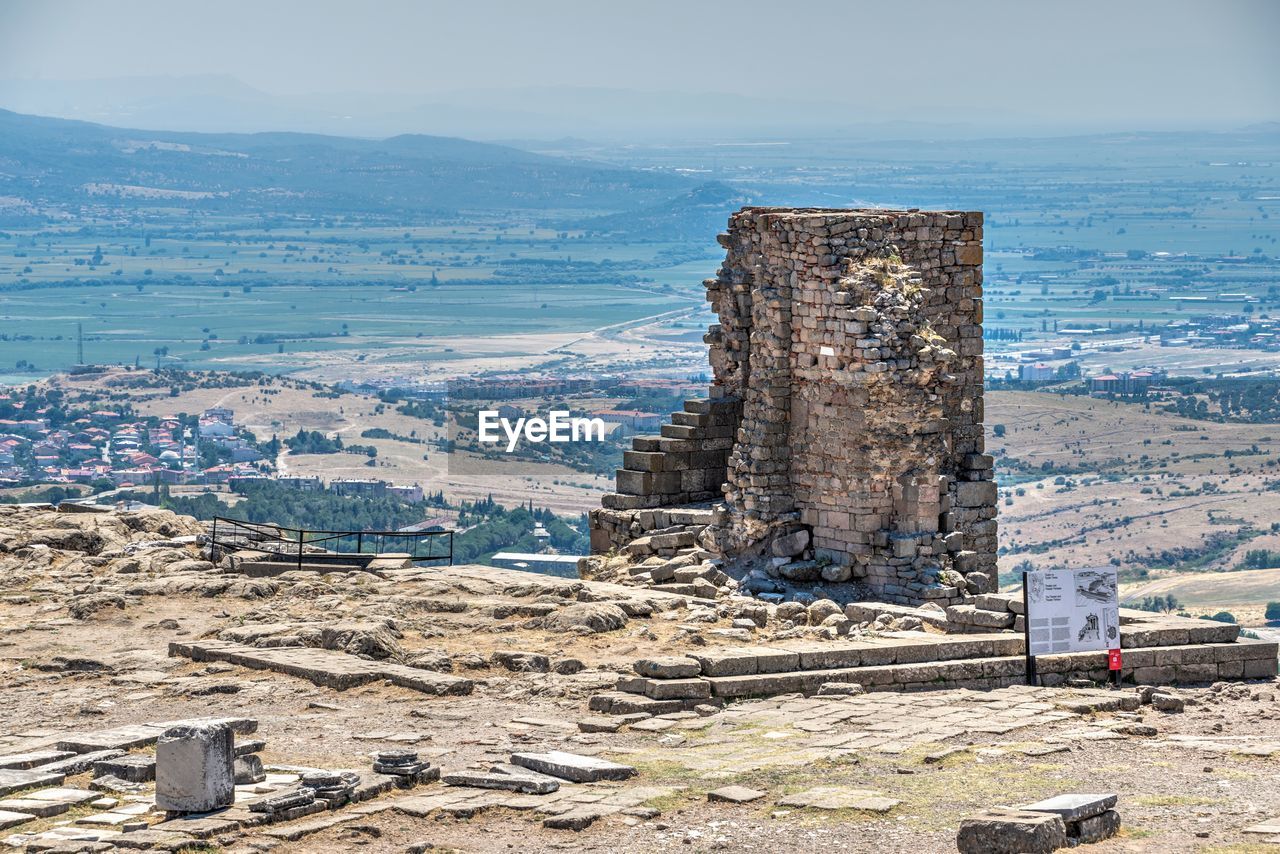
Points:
(1095, 586)
(1091, 630)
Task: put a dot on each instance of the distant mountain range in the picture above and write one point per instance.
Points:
(46, 162)
(219, 102)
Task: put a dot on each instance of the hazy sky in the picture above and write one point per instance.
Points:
(1087, 62)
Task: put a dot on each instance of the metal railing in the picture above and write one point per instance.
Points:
(311, 546)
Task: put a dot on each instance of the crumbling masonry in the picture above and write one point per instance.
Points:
(844, 424)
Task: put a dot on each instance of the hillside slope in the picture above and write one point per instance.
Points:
(45, 161)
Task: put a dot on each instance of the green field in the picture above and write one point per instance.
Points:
(1080, 232)
(122, 324)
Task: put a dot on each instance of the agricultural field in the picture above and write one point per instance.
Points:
(203, 267)
(286, 310)
(1171, 501)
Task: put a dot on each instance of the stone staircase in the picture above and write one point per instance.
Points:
(667, 482)
(1158, 651)
(685, 464)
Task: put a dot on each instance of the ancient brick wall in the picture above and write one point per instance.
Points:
(849, 357)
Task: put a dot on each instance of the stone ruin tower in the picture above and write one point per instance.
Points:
(842, 441)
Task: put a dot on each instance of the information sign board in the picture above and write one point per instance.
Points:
(1072, 610)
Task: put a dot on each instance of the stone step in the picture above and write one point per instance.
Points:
(678, 431)
(695, 688)
(1189, 663)
(889, 648)
(642, 461)
(690, 419)
(647, 444)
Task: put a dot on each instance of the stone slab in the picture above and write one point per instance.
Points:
(15, 780)
(156, 840)
(44, 803)
(78, 763)
(653, 725)
(578, 818)
(1074, 806)
(242, 748)
(294, 831)
(1270, 827)
(24, 761)
(530, 784)
(121, 738)
(573, 767)
(329, 668)
(668, 667)
(134, 767)
(9, 818)
(74, 797)
(735, 795)
(39, 809)
(840, 798)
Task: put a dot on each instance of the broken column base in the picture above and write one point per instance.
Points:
(195, 768)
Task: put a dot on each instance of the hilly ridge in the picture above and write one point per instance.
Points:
(56, 162)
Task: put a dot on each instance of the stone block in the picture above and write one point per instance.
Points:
(968, 615)
(528, 783)
(999, 831)
(745, 661)
(195, 768)
(572, 767)
(133, 767)
(992, 602)
(1073, 807)
(17, 779)
(248, 769)
(676, 689)
(1095, 829)
(975, 493)
(668, 667)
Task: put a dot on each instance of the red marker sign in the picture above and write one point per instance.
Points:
(1113, 659)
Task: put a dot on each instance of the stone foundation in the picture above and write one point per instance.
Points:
(844, 424)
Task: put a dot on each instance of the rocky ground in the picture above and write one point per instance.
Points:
(90, 603)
